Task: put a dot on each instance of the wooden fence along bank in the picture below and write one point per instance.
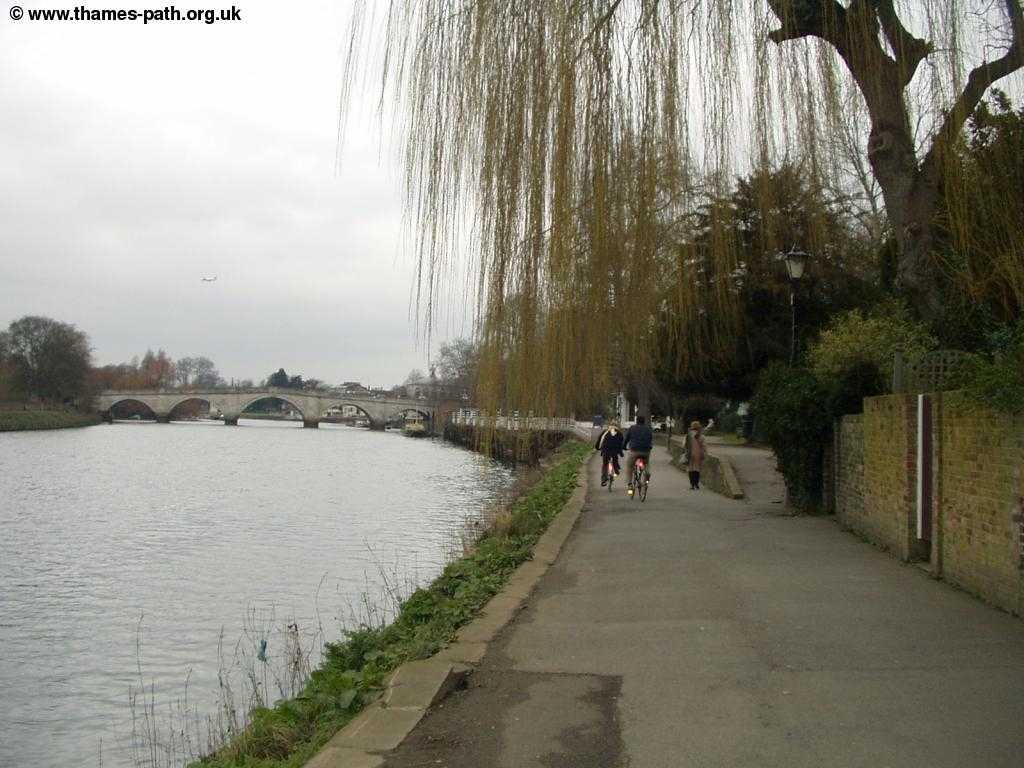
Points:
(936, 479)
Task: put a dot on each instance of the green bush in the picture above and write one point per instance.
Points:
(792, 407)
(795, 412)
(857, 337)
(996, 380)
(847, 390)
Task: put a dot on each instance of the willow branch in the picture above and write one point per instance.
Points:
(605, 18)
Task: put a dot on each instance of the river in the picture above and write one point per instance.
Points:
(134, 551)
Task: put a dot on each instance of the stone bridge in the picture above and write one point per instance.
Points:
(230, 403)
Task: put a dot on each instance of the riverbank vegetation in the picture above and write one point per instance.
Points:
(354, 669)
(15, 421)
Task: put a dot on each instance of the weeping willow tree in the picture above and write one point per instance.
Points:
(980, 225)
(558, 142)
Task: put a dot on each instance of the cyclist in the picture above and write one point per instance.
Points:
(639, 441)
(610, 446)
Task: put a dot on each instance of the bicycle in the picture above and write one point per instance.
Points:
(641, 479)
(611, 473)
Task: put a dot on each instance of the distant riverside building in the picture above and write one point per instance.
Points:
(342, 410)
(354, 388)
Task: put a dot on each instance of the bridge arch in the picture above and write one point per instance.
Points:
(173, 410)
(372, 418)
(426, 414)
(127, 407)
(247, 403)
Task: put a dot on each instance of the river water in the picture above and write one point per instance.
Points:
(134, 552)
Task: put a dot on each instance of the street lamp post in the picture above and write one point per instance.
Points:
(796, 263)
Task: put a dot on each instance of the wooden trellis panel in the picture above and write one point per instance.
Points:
(932, 373)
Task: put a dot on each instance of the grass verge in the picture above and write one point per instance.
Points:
(353, 671)
(18, 421)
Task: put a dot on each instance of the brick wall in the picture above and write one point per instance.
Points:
(979, 461)
(890, 474)
(849, 472)
(977, 536)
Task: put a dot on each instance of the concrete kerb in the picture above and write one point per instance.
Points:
(417, 685)
(331, 757)
(731, 483)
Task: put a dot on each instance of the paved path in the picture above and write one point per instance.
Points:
(699, 631)
(755, 468)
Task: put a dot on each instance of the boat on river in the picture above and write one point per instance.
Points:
(414, 427)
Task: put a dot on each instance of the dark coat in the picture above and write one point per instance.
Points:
(608, 444)
(639, 438)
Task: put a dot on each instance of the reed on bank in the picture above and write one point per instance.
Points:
(19, 421)
(353, 670)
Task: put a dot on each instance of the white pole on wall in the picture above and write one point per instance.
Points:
(920, 466)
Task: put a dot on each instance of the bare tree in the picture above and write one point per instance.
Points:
(184, 370)
(416, 376)
(457, 363)
(205, 373)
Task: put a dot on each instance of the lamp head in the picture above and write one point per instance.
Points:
(796, 263)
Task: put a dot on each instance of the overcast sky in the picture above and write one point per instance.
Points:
(136, 159)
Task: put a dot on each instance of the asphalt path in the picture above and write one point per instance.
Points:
(692, 630)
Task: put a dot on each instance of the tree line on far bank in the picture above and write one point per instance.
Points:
(49, 362)
(158, 371)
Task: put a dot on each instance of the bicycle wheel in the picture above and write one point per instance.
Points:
(643, 489)
(611, 479)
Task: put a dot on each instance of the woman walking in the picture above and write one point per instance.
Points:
(696, 450)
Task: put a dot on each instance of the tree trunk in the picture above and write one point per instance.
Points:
(917, 273)
(911, 197)
(643, 400)
(910, 191)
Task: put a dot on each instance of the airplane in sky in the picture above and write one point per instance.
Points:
(209, 279)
